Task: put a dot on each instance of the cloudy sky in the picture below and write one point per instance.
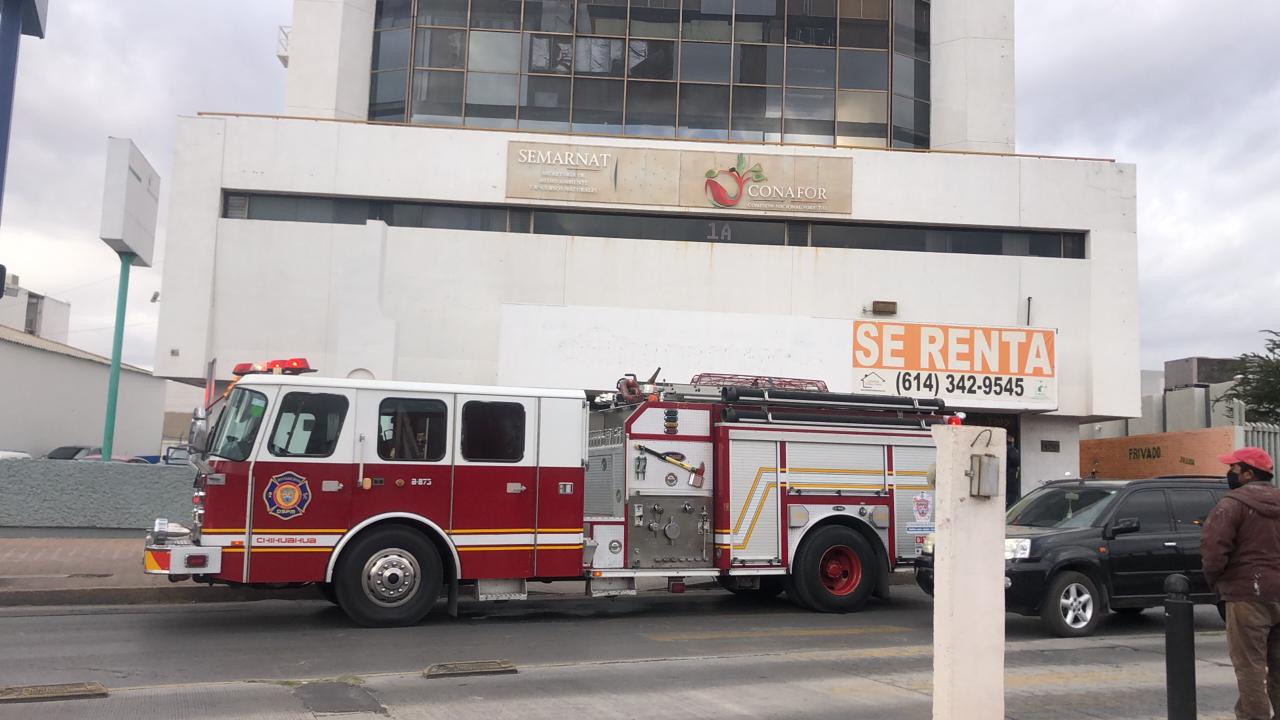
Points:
(1187, 90)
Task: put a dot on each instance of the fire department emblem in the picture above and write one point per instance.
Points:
(287, 495)
(922, 507)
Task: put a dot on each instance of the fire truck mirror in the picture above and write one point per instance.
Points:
(198, 435)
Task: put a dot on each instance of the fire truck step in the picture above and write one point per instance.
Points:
(513, 589)
(611, 587)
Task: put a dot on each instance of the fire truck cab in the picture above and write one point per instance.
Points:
(389, 495)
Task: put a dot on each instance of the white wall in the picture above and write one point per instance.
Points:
(330, 51)
(427, 304)
(54, 315)
(972, 77)
(1040, 467)
(51, 399)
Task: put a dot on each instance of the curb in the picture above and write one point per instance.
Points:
(190, 593)
(149, 595)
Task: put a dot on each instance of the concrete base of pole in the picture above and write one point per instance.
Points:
(968, 604)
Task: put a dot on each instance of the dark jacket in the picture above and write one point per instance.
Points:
(1240, 544)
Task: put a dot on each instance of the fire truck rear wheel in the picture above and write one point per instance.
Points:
(388, 578)
(834, 571)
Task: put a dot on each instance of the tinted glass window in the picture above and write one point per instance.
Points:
(705, 62)
(493, 431)
(1190, 508)
(708, 19)
(760, 21)
(655, 18)
(811, 67)
(757, 64)
(1149, 507)
(391, 49)
(442, 12)
(491, 100)
(495, 14)
(494, 52)
(549, 15)
(602, 17)
(386, 95)
(440, 48)
(811, 22)
(911, 27)
(548, 54)
(544, 103)
(597, 105)
(308, 425)
(864, 70)
(704, 111)
(599, 56)
(651, 108)
(437, 97)
(651, 60)
(393, 13)
(757, 113)
(412, 429)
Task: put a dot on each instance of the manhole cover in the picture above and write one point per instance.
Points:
(337, 697)
(478, 667)
(41, 693)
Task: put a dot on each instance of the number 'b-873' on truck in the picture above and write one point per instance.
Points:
(391, 495)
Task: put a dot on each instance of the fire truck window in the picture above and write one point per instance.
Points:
(308, 425)
(411, 429)
(493, 431)
(237, 426)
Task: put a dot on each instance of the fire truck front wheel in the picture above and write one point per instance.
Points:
(390, 577)
(834, 571)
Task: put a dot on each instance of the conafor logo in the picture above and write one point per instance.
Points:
(728, 195)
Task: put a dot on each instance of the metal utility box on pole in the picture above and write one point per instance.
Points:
(968, 606)
(130, 206)
(17, 18)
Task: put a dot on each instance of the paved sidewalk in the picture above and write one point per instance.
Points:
(57, 566)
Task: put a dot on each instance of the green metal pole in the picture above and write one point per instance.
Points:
(117, 344)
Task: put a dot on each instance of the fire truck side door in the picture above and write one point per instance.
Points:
(404, 443)
(494, 485)
(303, 477)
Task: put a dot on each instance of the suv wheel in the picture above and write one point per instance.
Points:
(1072, 606)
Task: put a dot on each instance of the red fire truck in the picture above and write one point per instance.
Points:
(388, 495)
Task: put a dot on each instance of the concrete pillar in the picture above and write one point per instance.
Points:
(968, 604)
(330, 53)
(971, 74)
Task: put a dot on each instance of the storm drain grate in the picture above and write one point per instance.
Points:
(463, 669)
(337, 697)
(44, 693)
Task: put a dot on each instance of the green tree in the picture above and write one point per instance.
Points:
(1259, 384)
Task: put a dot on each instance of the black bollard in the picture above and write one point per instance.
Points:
(1179, 648)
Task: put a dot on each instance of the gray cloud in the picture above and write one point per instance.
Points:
(127, 68)
(1188, 91)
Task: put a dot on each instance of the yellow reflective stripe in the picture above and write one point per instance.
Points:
(750, 494)
(764, 496)
(481, 548)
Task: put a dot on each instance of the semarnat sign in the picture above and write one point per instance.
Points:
(683, 178)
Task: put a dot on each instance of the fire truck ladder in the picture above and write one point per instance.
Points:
(805, 407)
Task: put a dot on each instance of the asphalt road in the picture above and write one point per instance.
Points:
(134, 646)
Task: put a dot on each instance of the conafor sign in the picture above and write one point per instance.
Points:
(689, 179)
(965, 365)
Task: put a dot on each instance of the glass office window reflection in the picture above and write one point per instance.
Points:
(827, 72)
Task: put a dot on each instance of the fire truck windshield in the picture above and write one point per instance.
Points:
(238, 425)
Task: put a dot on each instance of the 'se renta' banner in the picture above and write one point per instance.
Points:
(968, 366)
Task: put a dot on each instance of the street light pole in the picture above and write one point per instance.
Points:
(117, 345)
(10, 38)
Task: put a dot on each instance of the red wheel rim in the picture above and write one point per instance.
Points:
(840, 570)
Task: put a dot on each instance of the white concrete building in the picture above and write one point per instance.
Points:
(54, 395)
(35, 314)
(554, 193)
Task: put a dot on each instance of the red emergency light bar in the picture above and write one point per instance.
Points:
(291, 366)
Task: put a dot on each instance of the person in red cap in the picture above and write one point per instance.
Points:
(1240, 549)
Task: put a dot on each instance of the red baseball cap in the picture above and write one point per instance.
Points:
(1253, 457)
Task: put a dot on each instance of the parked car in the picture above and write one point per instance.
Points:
(137, 459)
(14, 455)
(1075, 549)
(72, 452)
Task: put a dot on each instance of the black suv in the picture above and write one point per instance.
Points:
(1077, 548)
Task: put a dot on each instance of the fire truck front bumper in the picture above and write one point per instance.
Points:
(169, 550)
